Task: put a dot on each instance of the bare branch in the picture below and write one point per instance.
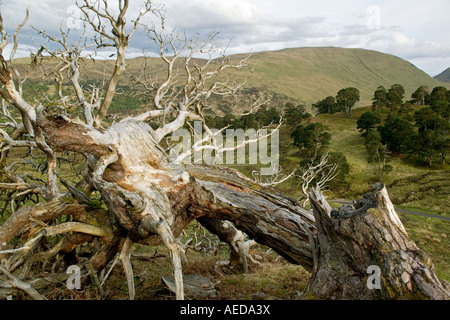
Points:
(15, 282)
(199, 76)
(272, 180)
(4, 41)
(14, 143)
(183, 115)
(124, 256)
(10, 93)
(317, 169)
(119, 39)
(14, 49)
(69, 62)
(77, 227)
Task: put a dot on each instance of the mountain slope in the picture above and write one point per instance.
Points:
(311, 74)
(444, 76)
(297, 75)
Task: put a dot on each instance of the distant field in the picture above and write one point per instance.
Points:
(408, 184)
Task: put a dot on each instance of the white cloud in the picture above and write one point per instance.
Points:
(417, 34)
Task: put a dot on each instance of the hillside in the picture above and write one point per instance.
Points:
(297, 75)
(444, 76)
(310, 74)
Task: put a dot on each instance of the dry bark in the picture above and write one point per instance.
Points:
(264, 214)
(355, 242)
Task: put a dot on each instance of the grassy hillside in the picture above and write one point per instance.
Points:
(310, 74)
(408, 183)
(299, 74)
(444, 76)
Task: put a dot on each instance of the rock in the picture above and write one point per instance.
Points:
(195, 286)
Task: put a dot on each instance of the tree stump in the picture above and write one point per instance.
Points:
(366, 253)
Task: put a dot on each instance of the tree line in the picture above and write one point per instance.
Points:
(344, 101)
(422, 132)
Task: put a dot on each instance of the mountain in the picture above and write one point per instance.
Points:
(298, 75)
(444, 76)
(311, 74)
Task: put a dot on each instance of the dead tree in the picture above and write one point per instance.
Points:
(147, 194)
(366, 253)
(132, 190)
(317, 174)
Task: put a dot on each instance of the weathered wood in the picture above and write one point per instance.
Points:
(15, 282)
(355, 244)
(263, 214)
(228, 233)
(25, 218)
(148, 197)
(196, 286)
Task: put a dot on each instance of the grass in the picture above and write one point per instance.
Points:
(271, 280)
(274, 278)
(432, 236)
(311, 74)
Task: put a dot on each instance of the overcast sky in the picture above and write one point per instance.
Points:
(414, 30)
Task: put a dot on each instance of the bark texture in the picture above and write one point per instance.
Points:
(355, 243)
(264, 214)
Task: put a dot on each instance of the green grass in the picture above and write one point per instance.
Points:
(432, 236)
(311, 74)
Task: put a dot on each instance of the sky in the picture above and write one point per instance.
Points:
(414, 30)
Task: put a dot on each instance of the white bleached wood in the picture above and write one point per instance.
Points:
(125, 256)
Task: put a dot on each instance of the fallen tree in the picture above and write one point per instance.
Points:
(366, 253)
(134, 189)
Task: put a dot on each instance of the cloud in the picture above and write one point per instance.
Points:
(206, 13)
(258, 25)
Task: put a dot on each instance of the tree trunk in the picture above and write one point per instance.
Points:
(142, 190)
(365, 253)
(150, 200)
(264, 214)
(150, 197)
